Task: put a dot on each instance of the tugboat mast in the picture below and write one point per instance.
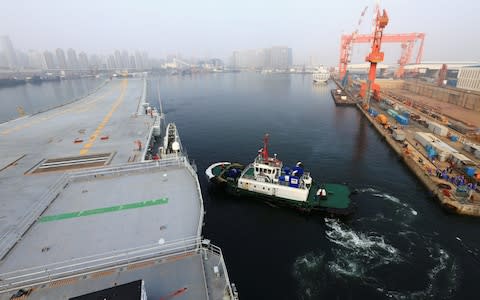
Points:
(265, 147)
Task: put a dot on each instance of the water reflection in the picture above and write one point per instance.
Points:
(34, 98)
(360, 140)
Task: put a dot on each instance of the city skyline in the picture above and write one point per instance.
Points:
(275, 57)
(216, 28)
(59, 59)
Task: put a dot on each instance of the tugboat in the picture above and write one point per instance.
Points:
(266, 178)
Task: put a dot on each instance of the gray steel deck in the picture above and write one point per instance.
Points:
(64, 234)
(79, 236)
(51, 134)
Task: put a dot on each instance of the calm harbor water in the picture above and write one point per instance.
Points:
(399, 243)
(36, 97)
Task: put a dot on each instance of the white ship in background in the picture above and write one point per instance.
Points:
(320, 75)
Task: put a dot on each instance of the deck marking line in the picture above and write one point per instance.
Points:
(105, 120)
(102, 210)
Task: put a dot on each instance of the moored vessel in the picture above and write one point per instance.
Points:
(320, 76)
(268, 179)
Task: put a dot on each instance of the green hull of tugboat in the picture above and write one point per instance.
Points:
(336, 202)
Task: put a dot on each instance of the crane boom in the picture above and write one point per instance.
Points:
(374, 57)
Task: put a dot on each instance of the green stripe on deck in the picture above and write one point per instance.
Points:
(103, 210)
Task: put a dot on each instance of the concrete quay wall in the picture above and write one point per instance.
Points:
(449, 203)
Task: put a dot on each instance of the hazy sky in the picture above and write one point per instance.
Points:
(216, 28)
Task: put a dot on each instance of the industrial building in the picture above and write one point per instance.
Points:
(469, 78)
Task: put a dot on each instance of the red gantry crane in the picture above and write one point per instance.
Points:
(374, 57)
(407, 41)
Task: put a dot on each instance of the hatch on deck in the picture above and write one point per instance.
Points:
(129, 291)
(72, 163)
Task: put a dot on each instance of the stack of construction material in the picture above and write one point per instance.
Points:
(472, 148)
(382, 119)
(438, 129)
(398, 135)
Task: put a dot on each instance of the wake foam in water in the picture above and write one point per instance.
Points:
(443, 279)
(364, 257)
(358, 252)
(367, 190)
(379, 194)
(397, 201)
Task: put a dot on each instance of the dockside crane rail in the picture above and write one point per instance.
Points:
(374, 57)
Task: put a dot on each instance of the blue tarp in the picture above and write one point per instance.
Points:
(430, 152)
(401, 119)
(470, 171)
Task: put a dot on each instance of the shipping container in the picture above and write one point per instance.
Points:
(392, 113)
(477, 153)
(438, 129)
(401, 119)
(461, 160)
(424, 138)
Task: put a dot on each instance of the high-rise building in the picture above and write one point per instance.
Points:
(138, 60)
(274, 58)
(102, 62)
(22, 59)
(111, 62)
(118, 59)
(281, 58)
(7, 48)
(83, 61)
(125, 59)
(35, 59)
(61, 59)
(146, 61)
(94, 61)
(48, 61)
(132, 64)
(3, 61)
(72, 59)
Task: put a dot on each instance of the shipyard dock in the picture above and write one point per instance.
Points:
(83, 210)
(442, 158)
(341, 98)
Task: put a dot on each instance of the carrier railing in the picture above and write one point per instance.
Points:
(43, 274)
(40, 275)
